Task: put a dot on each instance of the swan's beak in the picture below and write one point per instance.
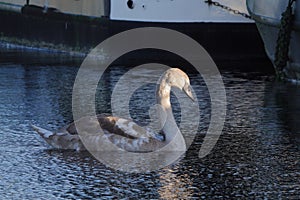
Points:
(187, 90)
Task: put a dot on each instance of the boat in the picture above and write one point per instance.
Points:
(267, 15)
(222, 27)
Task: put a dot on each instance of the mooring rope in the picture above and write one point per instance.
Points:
(283, 40)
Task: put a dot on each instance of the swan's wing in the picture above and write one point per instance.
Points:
(124, 133)
(127, 128)
(113, 125)
(86, 123)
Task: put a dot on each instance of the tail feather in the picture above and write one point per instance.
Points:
(43, 132)
(60, 140)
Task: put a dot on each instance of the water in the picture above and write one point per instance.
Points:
(257, 155)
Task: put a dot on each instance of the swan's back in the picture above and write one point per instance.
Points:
(123, 133)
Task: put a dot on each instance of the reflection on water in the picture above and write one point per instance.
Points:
(257, 154)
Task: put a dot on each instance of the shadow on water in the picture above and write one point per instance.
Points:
(257, 155)
(286, 96)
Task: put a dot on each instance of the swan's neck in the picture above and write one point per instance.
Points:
(168, 124)
(163, 95)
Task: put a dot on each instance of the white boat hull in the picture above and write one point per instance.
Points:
(267, 15)
(171, 11)
(177, 11)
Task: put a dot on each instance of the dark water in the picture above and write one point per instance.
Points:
(257, 155)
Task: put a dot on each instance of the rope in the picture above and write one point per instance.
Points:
(283, 40)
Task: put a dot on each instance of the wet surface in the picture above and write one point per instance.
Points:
(257, 155)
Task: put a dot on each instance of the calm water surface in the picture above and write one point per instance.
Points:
(257, 155)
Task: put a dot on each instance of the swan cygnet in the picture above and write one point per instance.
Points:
(125, 133)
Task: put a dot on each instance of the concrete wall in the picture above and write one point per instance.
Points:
(93, 8)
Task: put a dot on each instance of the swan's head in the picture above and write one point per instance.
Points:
(175, 77)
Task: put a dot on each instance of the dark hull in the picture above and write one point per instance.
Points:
(225, 42)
